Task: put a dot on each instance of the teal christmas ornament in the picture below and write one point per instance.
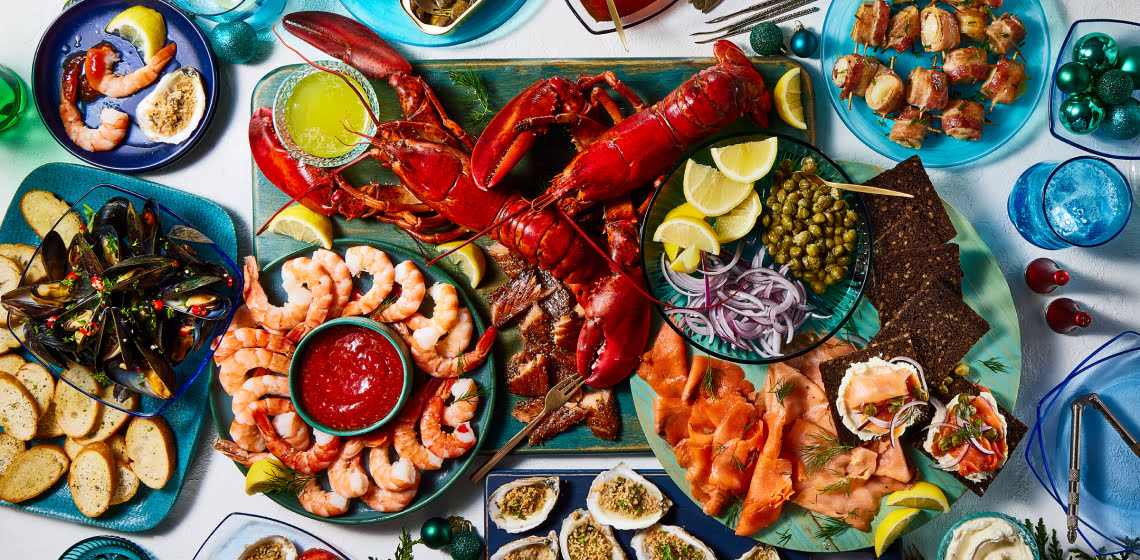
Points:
(767, 39)
(436, 533)
(234, 42)
(466, 546)
(1082, 113)
(1129, 61)
(804, 42)
(1123, 121)
(1097, 51)
(1114, 86)
(1073, 77)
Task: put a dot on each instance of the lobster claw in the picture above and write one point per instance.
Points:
(313, 186)
(615, 332)
(502, 144)
(349, 41)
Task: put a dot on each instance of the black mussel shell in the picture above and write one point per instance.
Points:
(184, 285)
(113, 213)
(140, 272)
(40, 301)
(187, 233)
(34, 345)
(202, 305)
(108, 246)
(178, 338)
(82, 256)
(53, 253)
(148, 228)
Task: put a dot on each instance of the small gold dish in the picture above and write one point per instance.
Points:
(409, 7)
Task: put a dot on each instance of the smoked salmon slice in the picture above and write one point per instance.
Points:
(663, 366)
(769, 489)
(671, 418)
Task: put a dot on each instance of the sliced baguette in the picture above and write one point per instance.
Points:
(72, 448)
(11, 363)
(92, 479)
(78, 414)
(33, 472)
(18, 412)
(41, 209)
(36, 379)
(8, 341)
(22, 254)
(150, 445)
(48, 425)
(10, 448)
(126, 483)
(110, 418)
(118, 445)
(9, 279)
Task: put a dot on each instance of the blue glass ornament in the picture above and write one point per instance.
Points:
(804, 42)
(234, 42)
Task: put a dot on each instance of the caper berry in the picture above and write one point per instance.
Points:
(961, 370)
(870, 410)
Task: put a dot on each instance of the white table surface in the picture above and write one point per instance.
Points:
(1104, 279)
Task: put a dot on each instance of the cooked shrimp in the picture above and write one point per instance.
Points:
(318, 502)
(240, 456)
(347, 476)
(368, 259)
(384, 501)
(304, 275)
(294, 430)
(404, 437)
(266, 314)
(113, 124)
(400, 475)
(464, 400)
(376, 438)
(459, 337)
(412, 292)
(317, 458)
(441, 443)
(438, 365)
(232, 371)
(99, 69)
(245, 337)
(247, 436)
(428, 331)
(341, 278)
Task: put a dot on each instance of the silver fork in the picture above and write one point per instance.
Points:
(555, 398)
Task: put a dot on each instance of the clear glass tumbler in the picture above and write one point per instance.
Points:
(13, 97)
(259, 14)
(1082, 202)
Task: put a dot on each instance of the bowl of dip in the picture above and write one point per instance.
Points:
(350, 376)
(988, 535)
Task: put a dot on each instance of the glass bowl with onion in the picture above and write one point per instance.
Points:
(791, 282)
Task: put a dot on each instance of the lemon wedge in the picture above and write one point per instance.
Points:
(304, 225)
(685, 209)
(892, 527)
(468, 258)
(711, 192)
(739, 221)
(688, 232)
(687, 262)
(788, 104)
(924, 495)
(266, 475)
(746, 162)
(143, 27)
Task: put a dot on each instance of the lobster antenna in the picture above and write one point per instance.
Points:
(336, 73)
(478, 234)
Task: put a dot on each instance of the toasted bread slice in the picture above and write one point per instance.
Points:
(18, 412)
(33, 472)
(9, 279)
(150, 445)
(126, 483)
(11, 363)
(48, 425)
(10, 448)
(22, 254)
(78, 414)
(36, 379)
(72, 448)
(8, 341)
(110, 418)
(118, 445)
(92, 479)
(41, 209)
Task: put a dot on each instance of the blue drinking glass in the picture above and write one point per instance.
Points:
(1082, 202)
(259, 14)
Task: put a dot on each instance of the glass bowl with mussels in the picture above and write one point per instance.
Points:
(130, 302)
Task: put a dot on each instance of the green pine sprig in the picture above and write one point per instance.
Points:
(404, 549)
(995, 365)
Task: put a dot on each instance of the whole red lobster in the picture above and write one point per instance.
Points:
(433, 158)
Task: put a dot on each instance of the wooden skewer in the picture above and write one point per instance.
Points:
(858, 188)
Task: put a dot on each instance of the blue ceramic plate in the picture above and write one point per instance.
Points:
(80, 27)
(938, 150)
(184, 415)
(388, 19)
(239, 530)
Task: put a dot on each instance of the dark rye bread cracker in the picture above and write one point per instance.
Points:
(909, 176)
(899, 275)
(906, 234)
(1015, 431)
(833, 370)
(944, 328)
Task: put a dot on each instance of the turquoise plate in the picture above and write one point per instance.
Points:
(185, 415)
(433, 483)
(388, 19)
(239, 530)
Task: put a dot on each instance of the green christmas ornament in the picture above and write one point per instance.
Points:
(234, 42)
(436, 533)
(1081, 113)
(466, 546)
(1097, 51)
(1123, 121)
(767, 39)
(1129, 61)
(1114, 86)
(1073, 77)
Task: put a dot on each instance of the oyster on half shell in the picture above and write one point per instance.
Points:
(530, 548)
(652, 543)
(523, 504)
(761, 552)
(625, 500)
(171, 112)
(583, 538)
(267, 546)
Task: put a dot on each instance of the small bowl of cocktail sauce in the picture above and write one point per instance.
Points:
(350, 376)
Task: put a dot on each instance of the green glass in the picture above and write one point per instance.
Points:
(13, 97)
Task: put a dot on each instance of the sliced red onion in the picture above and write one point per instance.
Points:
(939, 408)
(900, 418)
(917, 367)
(978, 445)
(728, 266)
(880, 423)
(938, 425)
(954, 461)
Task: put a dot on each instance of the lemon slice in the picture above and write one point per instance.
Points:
(788, 104)
(739, 221)
(468, 258)
(746, 162)
(924, 495)
(688, 232)
(303, 224)
(891, 527)
(711, 192)
(685, 209)
(265, 475)
(687, 262)
(143, 27)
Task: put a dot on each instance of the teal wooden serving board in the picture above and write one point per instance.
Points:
(69, 182)
(651, 78)
(983, 288)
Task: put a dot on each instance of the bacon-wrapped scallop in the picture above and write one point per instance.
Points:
(910, 128)
(971, 21)
(904, 29)
(886, 93)
(967, 65)
(1005, 33)
(1003, 85)
(992, 4)
(871, 21)
(939, 29)
(963, 120)
(853, 73)
(928, 89)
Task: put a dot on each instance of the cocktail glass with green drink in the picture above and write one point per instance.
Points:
(13, 97)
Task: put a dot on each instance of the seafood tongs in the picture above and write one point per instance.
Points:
(1078, 408)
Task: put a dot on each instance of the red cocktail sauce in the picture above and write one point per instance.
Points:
(350, 377)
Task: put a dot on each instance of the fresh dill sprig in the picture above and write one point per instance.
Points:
(1047, 543)
(994, 365)
(286, 481)
(842, 485)
(404, 549)
(388, 301)
(783, 389)
(784, 537)
(708, 382)
(478, 101)
(732, 516)
(830, 527)
(472, 394)
(817, 455)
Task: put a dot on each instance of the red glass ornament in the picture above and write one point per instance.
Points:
(1043, 275)
(1065, 315)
